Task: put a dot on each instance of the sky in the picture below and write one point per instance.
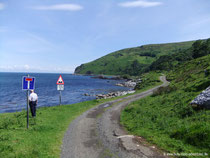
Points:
(58, 35)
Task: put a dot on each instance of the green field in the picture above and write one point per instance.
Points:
(166, 118)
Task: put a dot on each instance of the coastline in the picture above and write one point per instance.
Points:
(14, 99)
(130, 83)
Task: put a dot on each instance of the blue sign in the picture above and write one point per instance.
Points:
(28, 83)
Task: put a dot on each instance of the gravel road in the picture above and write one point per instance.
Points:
(97, 133)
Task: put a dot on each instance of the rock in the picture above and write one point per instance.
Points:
(127, 84)
(120, 84)
(202, 100)
(139, 80)
(100, 77)
(86, 94)
(130, 92)
(113, 94)
(107, 77)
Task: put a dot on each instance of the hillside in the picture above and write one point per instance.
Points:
(166, 62)
(131, 61)
(167, 119)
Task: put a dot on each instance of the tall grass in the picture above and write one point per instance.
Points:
(167, 119)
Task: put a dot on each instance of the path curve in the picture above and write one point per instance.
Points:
(97, 133)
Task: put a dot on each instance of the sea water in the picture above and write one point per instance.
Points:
(13, 98)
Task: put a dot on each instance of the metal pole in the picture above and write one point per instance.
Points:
(60, 97)
(27, 106)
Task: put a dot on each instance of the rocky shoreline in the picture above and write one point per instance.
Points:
(108, 77)
(128, 83)
(114, 94)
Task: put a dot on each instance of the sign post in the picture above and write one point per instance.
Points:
(28, 84)
(27, 108)
(60, 98)
(60, 86)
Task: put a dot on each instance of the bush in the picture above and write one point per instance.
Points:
(164, 90)
(195, 134)
(201, 48)
(126, 76)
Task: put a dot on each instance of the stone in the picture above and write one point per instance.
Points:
(129, 83)
(202, 100)
(113, 94)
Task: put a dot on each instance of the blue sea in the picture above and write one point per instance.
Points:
(13, 98)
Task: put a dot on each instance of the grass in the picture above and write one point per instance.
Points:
(166, 118)
(45, 134)
(149, 80)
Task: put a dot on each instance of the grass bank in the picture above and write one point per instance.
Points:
(166, 118)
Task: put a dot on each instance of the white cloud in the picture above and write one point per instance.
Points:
(64, 7)
(26, 67)
(139, 3)
(32, 68)
(1, 6)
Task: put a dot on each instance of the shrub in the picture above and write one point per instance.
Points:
(195, 134)
(126, 76)
(164, 90)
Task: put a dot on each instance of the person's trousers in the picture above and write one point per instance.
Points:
(33, 108)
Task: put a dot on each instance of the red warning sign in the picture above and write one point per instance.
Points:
(60, 80)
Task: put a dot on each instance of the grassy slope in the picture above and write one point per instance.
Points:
(168, 62)
(149, 79)
(166, 119)
(117, 62)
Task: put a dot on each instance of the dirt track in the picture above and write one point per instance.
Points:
(98, 134)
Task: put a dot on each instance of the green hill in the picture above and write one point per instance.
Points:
(132, 61)
(167, 119)
(166, 62)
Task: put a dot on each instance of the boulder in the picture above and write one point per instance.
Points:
(86, 94)
(113, 94)
(202, 100)
(127, 84)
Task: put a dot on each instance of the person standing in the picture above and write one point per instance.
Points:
(33, 99)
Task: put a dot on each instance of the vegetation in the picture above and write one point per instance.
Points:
(45, 134)
(131, 61)
(147, 80)
(167, 62)
(167, 119)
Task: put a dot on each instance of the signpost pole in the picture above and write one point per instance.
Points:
(60, 86)
(60, 97)
(28, 104)
(28, 83)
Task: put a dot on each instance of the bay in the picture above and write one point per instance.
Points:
(13, 98)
